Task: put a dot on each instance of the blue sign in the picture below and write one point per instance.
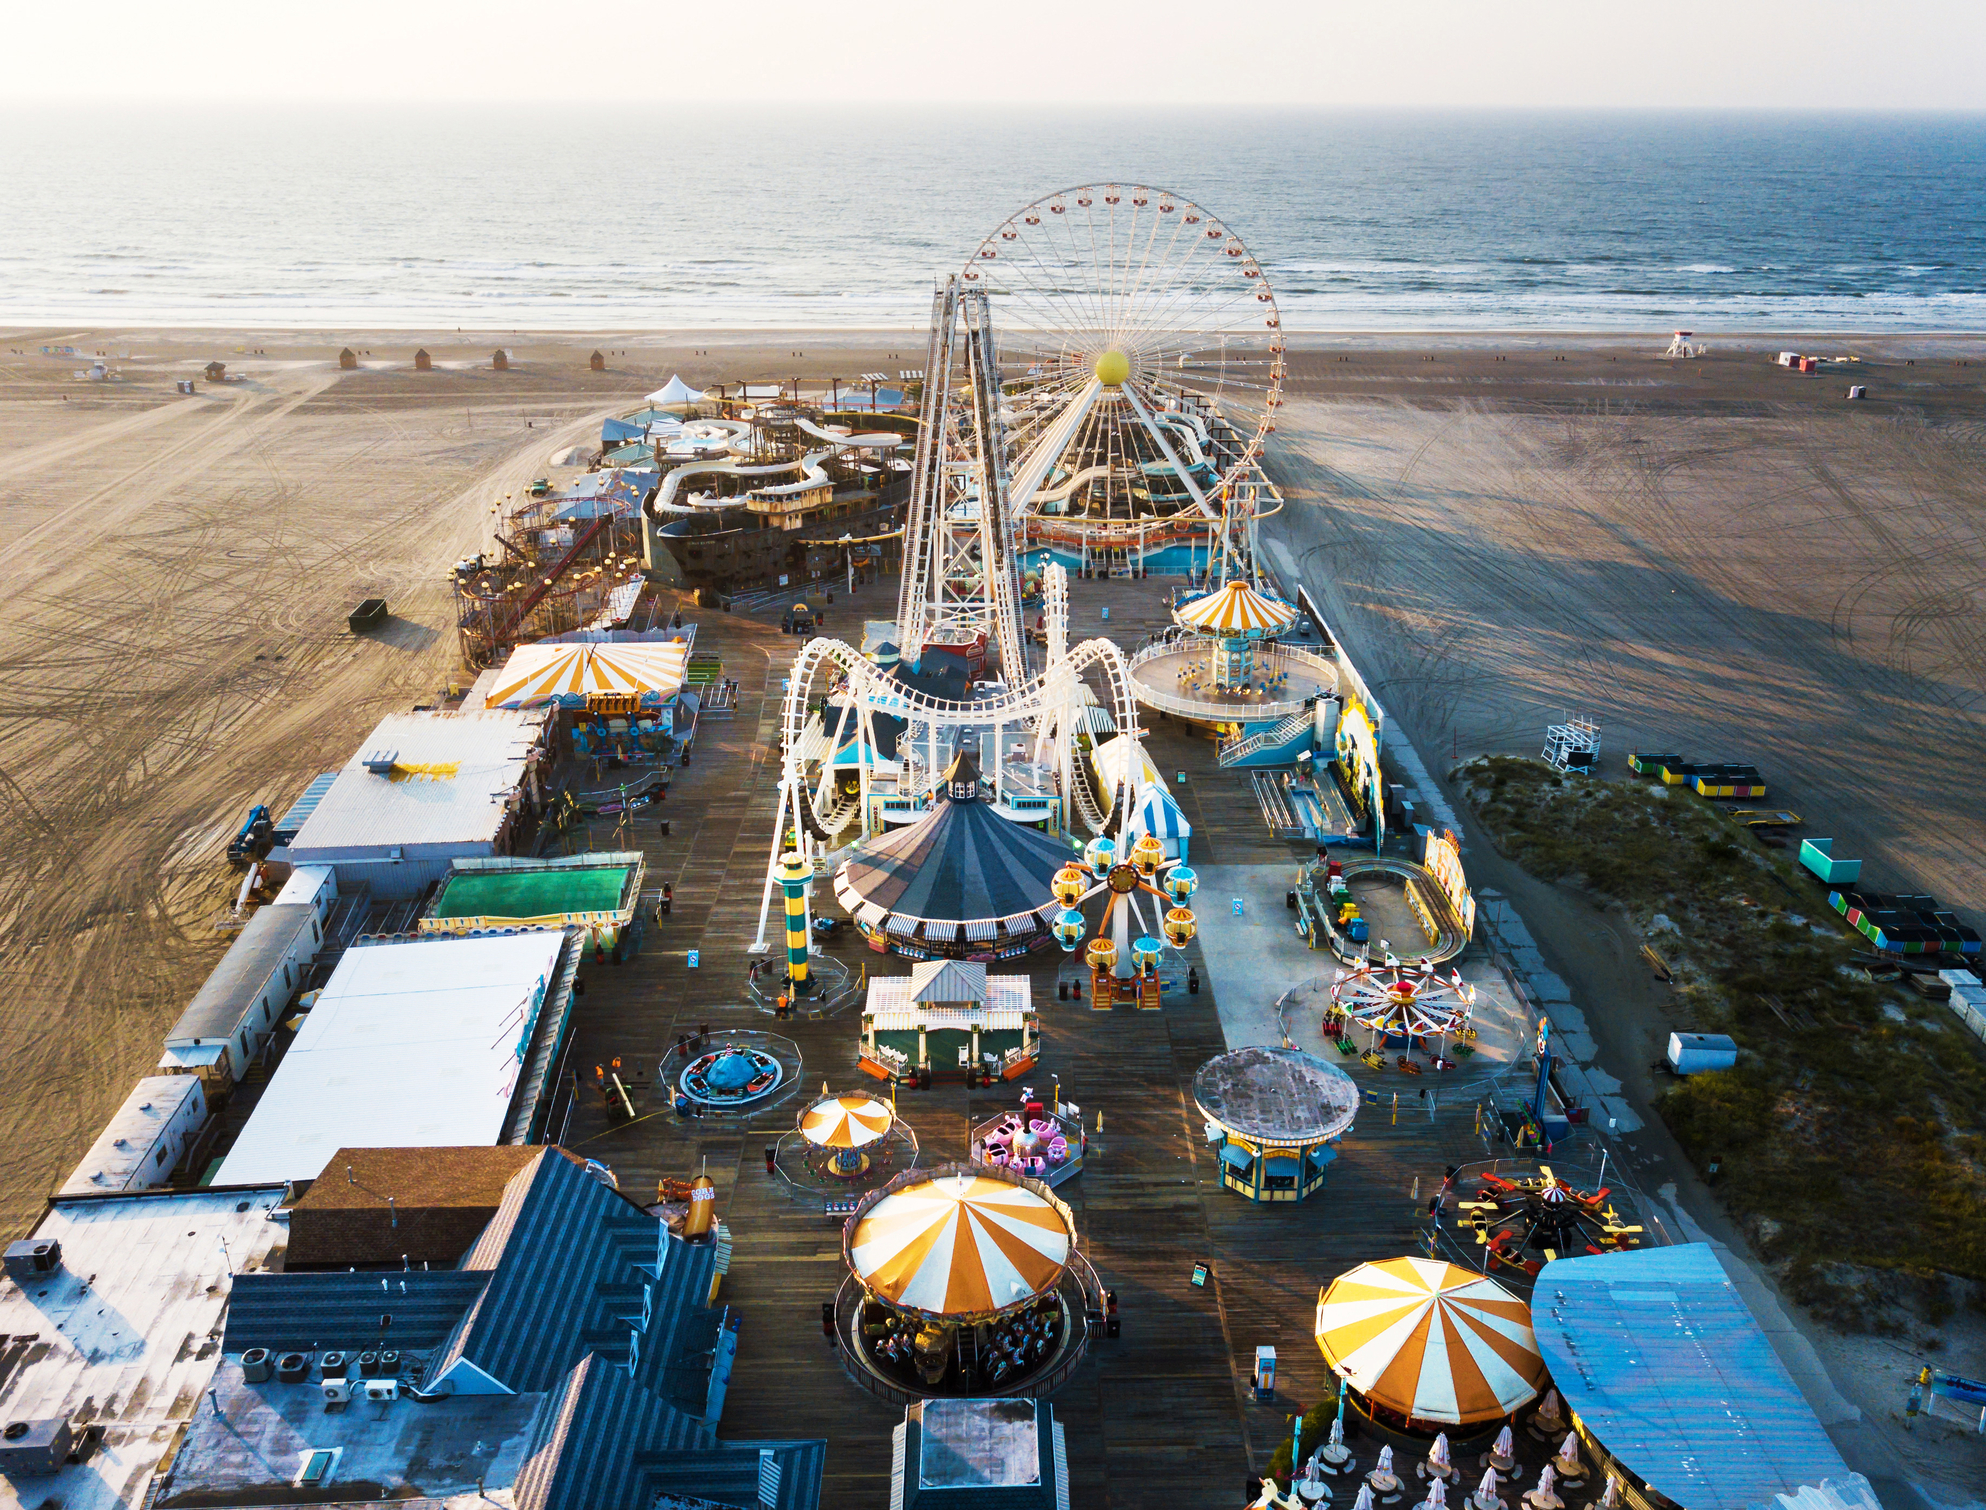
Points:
(1106, 613)
(1237, 906)
(693, 953)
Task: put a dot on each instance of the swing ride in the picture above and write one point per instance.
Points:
(1515, 1217)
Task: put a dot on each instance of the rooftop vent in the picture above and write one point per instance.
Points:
(380, 761)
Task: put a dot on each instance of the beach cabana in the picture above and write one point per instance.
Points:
(566, 675)
(674, 394)
(348, 360)
(500, 360)
(422, 361)
(1428, 1344)
(598, 361)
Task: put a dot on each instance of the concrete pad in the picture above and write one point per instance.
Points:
(1252, 959)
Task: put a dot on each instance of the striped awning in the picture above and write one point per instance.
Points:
(1430, 1340)
(901, 926)
(845, 1122)
(568, 674)
(981, 928)
(960, 1245)
(871, 914)
(1237, 609)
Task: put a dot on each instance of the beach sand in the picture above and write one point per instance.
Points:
(1717, 556)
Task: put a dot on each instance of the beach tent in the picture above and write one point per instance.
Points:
(1237, 609)
(674, 394)
(614, 432)
(1430, 1340)
(1160, 816)
(565, 674)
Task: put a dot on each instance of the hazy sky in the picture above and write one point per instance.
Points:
(1825, 54)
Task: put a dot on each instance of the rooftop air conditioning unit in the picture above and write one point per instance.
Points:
(382, 1389)
(380, 762)
(337, 1391)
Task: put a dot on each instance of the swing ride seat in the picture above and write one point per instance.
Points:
(1407, 1065)
(1373, 1059)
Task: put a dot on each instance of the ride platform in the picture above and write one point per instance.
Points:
(1179, 680)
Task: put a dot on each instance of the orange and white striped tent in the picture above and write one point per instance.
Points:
(845, 1122)
(539, 674)
(961, 1244)
(1430, 1340)
(1237, 609)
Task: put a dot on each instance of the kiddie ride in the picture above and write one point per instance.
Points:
(1123, 969)
(1516, 1217)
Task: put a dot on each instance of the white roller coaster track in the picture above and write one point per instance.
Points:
(1048, 698)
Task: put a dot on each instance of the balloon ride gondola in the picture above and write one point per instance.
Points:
(1123, 968)
(1524, 1221)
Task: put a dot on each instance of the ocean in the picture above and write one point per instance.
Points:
(519, 216)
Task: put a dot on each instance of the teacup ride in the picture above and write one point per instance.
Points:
(1043, 1141)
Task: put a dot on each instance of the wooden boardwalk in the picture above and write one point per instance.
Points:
(1158, 1417)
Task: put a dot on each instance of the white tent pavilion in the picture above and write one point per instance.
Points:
(674, 394)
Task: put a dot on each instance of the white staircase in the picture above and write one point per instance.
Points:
(1280, 732)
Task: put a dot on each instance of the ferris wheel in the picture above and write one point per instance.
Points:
(1141, 356)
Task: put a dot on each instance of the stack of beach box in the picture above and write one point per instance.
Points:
(1704, 780)
(1968, 998)
(1905, 924)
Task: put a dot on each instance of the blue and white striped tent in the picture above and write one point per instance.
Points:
(1160, 815)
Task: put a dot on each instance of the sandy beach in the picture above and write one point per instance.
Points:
(1715, 556)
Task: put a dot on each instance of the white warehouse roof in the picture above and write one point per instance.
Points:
(409, 1046)
(423, 781)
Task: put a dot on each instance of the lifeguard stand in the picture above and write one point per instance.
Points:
(1573, 745)
(1680, 348)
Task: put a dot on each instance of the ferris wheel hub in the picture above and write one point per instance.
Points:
(1112, 368)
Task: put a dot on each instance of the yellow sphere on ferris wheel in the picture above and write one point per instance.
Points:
(1112, 368)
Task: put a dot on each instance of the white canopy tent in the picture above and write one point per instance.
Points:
(674, 394)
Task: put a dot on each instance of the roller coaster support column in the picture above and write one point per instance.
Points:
(794, 874)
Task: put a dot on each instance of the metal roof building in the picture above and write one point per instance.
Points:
(423, 790)
(114, 1334)
(435, 1043)
(145, 1138)
(227, 1024)
(574, 1359)
(1668, 1373)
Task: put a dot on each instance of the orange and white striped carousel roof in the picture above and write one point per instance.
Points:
(538, 674)
(960, 1244)
(846, 1122)
(1430, 1340)
(1237, 609)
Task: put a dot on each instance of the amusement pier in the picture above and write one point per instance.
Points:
(911, 964)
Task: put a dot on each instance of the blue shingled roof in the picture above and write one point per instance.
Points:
(302, 1312)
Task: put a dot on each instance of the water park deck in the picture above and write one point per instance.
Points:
(1162, 1413)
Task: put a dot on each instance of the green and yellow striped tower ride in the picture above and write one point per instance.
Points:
(794, 874)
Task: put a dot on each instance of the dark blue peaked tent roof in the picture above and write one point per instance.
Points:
(962, 863)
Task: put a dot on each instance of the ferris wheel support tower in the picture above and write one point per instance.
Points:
(959, 555)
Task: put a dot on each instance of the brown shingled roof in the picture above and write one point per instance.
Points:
(442, 1198)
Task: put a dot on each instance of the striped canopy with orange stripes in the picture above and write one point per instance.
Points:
(960, 1245)
(1430, 1340)
(846, 1122)
(1237, 609)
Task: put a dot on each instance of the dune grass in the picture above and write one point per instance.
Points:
(1852, 1133)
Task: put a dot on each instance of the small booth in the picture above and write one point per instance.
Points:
(949, 1019)
(1274, 1117)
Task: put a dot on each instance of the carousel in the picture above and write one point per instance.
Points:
(1275, 1116)
(963, 882)
(964, 1280)
(1425, 1347)
(1220, 662)
(844, 1145)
